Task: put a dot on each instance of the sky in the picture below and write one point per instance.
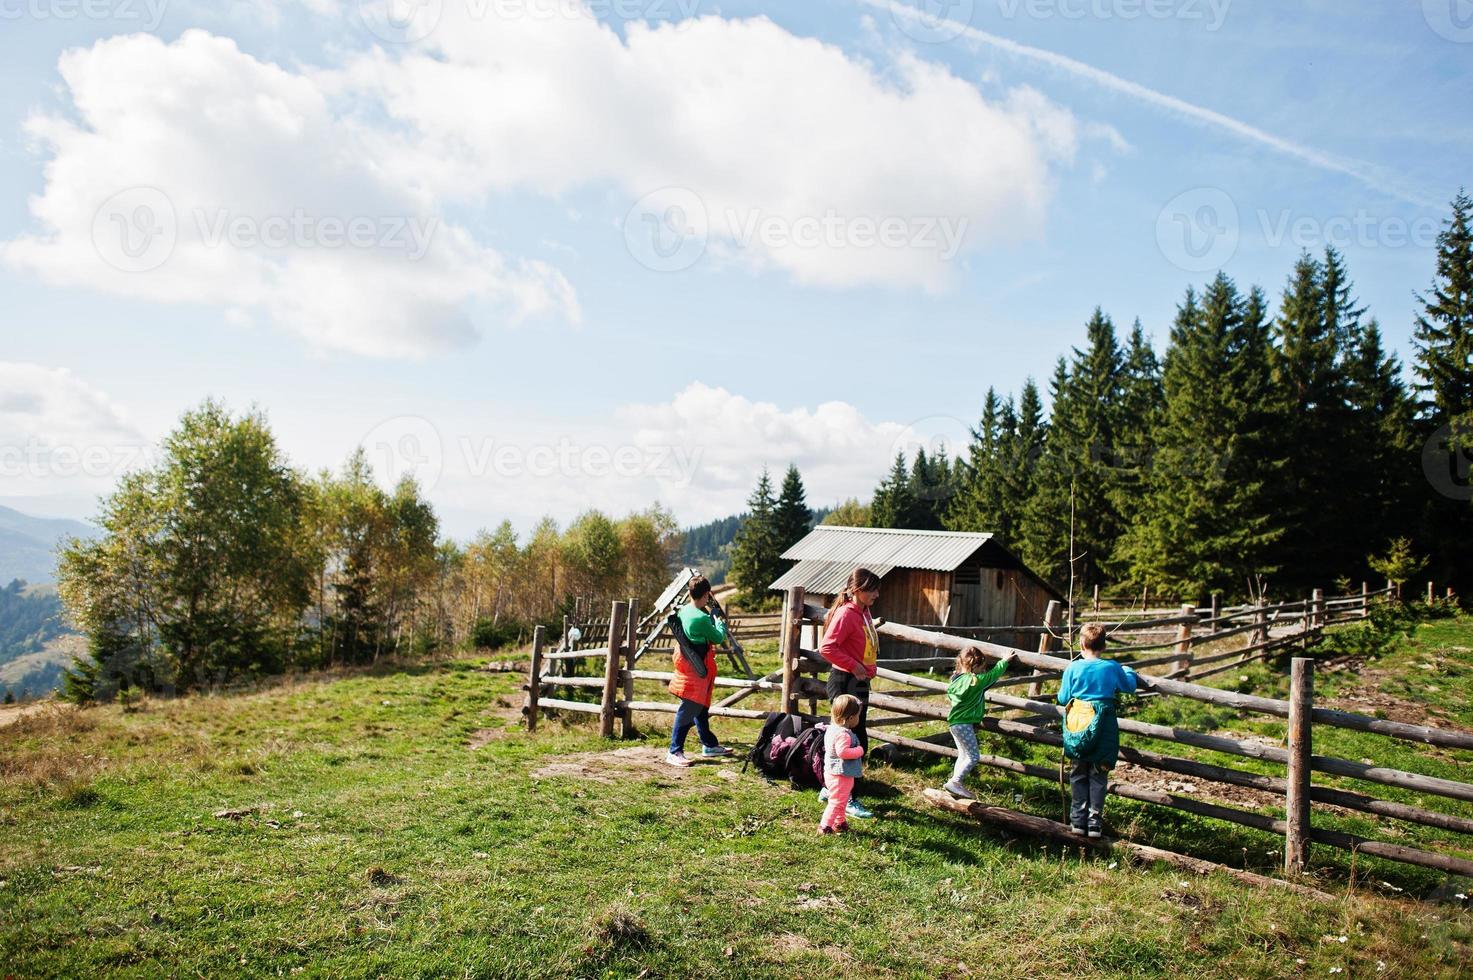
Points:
(547, 255)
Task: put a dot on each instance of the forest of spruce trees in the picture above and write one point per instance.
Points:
(1266, 450)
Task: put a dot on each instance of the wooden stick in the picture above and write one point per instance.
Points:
(792, 637)
(1296, 808)
(748, 689)
(1046, 640)
(617, 612)
(588, 707)
(631, 643)
(534, 681)
(1042, 827)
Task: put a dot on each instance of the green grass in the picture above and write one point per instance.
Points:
(364, 836)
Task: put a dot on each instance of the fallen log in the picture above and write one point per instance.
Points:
(1042, 827)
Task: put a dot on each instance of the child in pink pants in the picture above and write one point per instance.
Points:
(841, 765)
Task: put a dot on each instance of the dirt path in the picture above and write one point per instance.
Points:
(12, 713)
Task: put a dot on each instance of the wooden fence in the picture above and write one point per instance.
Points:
(1264, 629)
(1038, 725)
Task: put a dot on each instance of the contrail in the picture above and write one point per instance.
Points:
(1363, 172)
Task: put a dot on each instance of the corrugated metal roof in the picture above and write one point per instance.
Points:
(870, 547)
(823, 577)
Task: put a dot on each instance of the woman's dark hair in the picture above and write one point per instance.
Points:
(699, 586)
(860, 580)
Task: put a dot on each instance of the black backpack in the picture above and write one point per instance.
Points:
(789, 747)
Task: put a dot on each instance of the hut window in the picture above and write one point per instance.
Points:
(968, 575)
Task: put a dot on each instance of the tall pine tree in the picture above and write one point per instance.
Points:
(1443, 362)
(895, 503)
(792, 517)
(1317, 323)
(1077, 471)
(755, 554)
(1207, 524)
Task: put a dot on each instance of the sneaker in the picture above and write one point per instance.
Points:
(857, 809)
(827, 830)
(957, 789)
(1076, 831)
(714, 751)
(677, 759)
(842, 828)
(823, 794)
(1095, 832)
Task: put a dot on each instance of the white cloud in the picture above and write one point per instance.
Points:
(60, 436)
(192, 172)
(767, 130)
(699, 453)
(196, 173)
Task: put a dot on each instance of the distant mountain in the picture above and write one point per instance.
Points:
(35, 642)
(28, 545)
(707, 547)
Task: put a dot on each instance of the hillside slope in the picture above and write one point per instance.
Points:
(400, 821)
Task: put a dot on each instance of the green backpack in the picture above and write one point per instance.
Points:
(1082, 727)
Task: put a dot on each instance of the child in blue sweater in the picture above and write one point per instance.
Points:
(1096, 680)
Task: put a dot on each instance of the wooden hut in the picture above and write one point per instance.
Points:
(927, 578)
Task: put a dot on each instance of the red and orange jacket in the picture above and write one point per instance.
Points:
(850, 642)
(701, 629)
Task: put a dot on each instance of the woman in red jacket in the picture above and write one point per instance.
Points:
(852, 648)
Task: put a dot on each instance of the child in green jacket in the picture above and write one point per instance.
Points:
(967, 692)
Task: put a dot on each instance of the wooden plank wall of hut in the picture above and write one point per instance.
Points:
(913, 596)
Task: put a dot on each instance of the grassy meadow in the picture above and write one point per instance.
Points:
(400, 822)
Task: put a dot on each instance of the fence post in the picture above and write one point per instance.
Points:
(1429, 592)
(607, 710)
(1296, 801)
(789, 640)
(1319, 609)
(631, 643)
(1097, 600)
(1260, 632)
(534, 681)
(1183, 664)
(1365, 599)
(1046, 639)
(1216, 608)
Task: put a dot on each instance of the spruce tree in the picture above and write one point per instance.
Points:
(792, 517)
(1207, 523)
(1023, 435)
(1380, 497)
(1444, 332)
(1141, 404)
(1077, 472)
(1443, 364)
(755, 554)
(894, 504)
(1317, 323)
(974, 507)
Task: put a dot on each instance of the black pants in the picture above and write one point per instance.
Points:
(1087, 783)
(843, 682)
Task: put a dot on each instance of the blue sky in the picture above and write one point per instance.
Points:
(1086, 152)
